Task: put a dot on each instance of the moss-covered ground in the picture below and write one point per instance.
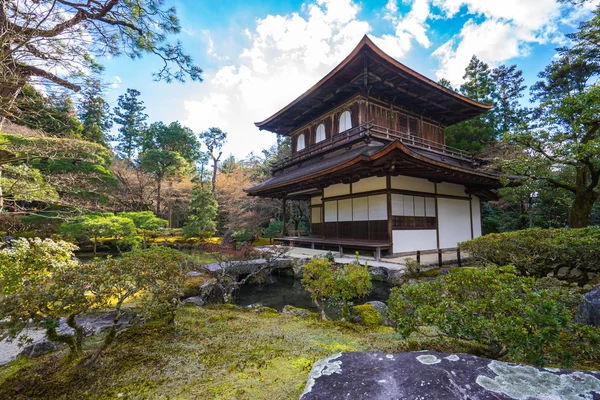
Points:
(211, 353)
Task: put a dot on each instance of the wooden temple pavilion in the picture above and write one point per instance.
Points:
(368, 152)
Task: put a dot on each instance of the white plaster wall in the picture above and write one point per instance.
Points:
(451, 189)
(413, 240)
(454, 221)
(316, 200)
(369, 184)
(414, 184)
(330, 211)
(339, 189)
(377, 207)
(345, 210)
(476, 207)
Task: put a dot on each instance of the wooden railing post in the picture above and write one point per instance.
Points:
(458, 257)
(418, 256)
(440, 258)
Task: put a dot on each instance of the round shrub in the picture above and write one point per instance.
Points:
(505, 312)
(540, 252)
(367, 315)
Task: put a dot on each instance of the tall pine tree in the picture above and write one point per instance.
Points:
(474, 134)
(94, 113)
(509, 90)
(129, 113)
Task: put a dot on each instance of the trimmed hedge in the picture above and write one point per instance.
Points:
(541, 252)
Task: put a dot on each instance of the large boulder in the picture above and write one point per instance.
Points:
(379, 273)
(590, 309)
(431, 375)
(39, 343)
(211, 292)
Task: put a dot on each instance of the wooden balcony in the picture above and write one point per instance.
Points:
(366, 131)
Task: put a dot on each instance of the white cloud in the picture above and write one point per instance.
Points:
(116, 82)
(288, 54)
(508, 30)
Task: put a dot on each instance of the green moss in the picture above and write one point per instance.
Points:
(223, 352)
(192, 285)
(297, 311)
(368, 315)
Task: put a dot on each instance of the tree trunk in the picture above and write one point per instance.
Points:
(581, 210)
(95, 243)
(1, 192)
(158, 187)
(214, 177)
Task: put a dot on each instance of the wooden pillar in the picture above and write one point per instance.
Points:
(471, 215)
(437, 217)
(283, 230)
(388, 184)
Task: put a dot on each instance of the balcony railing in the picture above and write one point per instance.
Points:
(368, 130)
(352, 135)
(411, 140)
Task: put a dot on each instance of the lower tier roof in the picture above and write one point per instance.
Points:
(377, 159)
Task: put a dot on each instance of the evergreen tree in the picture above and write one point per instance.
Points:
(509, 89)
(54, 114)
(213, 139)
(446, 83)
(474, 134)
(130, 115)
(203, 207)
(173, 137)
(94, 113)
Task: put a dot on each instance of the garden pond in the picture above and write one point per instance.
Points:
(287, 290)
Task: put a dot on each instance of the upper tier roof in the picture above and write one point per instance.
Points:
(369, 70)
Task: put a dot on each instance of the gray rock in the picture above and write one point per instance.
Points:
(590, 309)
(211, 293)
(383, 310)
(291, 310)
(562, 272)
(379, 273)
(194, 300)
(36, 349)
(93, 324)
(431, 375)
(575, 274)
(396, 277)
(445, 271)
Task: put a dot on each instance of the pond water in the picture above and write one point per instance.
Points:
(289, 291)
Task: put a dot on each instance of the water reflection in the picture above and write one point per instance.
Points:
(288, 291)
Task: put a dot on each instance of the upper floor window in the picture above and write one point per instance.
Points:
(320, 133)
(345, 121)
(300, 145)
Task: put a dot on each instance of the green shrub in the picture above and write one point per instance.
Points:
(369, 316)
(244, 235)
(274, 229)
(42, 281)
(539, 252)
(337, 283)
(97, 226)
(500, 310)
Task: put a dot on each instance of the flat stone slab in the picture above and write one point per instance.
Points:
(432, 376)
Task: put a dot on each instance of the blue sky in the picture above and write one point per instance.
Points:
(259, 55)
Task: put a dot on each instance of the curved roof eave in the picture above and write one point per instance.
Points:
(396, 145)
(368, 43)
